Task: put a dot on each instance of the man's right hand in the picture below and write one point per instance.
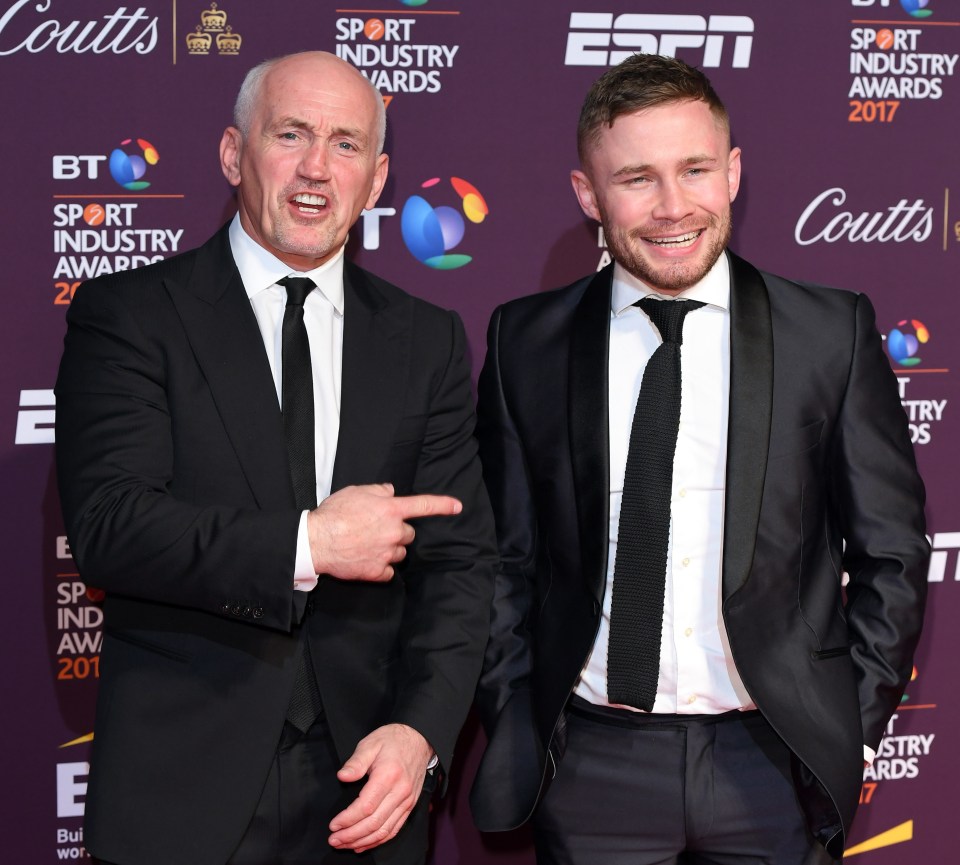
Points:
(359, 532)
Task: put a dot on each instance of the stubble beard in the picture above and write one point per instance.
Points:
(626, 248)
(288, 233)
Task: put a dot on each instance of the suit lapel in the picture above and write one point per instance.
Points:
(751, 407)
(228, 347)
(588, 420)
(375, 363)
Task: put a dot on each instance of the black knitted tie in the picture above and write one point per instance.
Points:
(298, 428)
(636, 617)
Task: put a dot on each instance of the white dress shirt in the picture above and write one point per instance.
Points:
(697, 673)
(323, 318)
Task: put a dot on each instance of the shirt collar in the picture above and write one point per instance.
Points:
(260, 270)
(713, 289)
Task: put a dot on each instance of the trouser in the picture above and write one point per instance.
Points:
(640, 789)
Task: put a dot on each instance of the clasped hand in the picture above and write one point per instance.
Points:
(394, 758)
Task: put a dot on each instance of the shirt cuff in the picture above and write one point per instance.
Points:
(304, 576)
(868, 755)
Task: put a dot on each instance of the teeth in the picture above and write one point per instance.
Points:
(682, 240)
(310, 200)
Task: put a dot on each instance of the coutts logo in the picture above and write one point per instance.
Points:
(24, 27)
(825, 219)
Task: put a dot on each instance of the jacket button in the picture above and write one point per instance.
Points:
(235, 609)
(258, 612)
(245, 611)
(225, 608)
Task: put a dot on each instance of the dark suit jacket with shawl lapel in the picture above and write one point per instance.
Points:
(178, 502)
(818, 456)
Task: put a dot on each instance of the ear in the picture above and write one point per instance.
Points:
(231, 146)
(733, 172)
(379, 179)
(583, 189)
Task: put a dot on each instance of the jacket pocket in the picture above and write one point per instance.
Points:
(825, 654)
(796, 441)
(147, 645)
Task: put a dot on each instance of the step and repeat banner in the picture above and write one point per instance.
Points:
(848, 114)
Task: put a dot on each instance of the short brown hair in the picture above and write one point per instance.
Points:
(642, 81)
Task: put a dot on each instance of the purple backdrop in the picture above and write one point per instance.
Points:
(847, 113)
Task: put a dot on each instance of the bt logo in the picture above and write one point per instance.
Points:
(431, 232)
(127, 169)
(905, 339)
(414, 2)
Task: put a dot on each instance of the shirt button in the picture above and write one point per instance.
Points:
(692, 699)
(686, 562)
(688, 632)
(683, 493)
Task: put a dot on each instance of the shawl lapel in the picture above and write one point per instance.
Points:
(588, 423)
(751, 407)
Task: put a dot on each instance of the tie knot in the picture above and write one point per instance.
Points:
(298, 287)
(668, 315)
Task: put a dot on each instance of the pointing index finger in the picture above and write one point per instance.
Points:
(412, 507)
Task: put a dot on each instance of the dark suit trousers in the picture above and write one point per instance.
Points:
(656, 790)
(300, 798)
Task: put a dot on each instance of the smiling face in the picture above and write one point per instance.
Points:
(308, 164)
(660, 181)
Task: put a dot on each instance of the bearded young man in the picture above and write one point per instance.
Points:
(684, 455)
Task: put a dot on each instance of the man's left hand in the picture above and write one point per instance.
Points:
(394, 758)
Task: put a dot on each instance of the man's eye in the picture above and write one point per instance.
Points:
(289, 136)
(345, 145)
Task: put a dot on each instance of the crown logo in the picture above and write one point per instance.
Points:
(199, 42)
(213, 19)
(229, 43)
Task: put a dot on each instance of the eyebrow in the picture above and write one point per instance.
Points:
(346, 131)
(696, 159)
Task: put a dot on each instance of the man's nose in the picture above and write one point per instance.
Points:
(672, 202)
(316, 161)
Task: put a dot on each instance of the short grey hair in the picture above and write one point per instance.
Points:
(253, 83)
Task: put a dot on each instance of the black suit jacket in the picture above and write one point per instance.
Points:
(818, 458)
(178, 502)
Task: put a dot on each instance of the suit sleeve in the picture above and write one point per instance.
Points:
(129, 534)
(879, 498)
(449, 572)
(509, 657)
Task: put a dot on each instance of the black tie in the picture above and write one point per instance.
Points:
(297, 393)
(639, 574)
(298, 427)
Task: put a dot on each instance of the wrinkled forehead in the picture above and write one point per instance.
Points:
(308, 88)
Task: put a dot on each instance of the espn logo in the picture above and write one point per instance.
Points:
(35, 420)
(593, 33)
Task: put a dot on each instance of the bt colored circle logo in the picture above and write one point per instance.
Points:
(905, 339)
(128, 168)
(916, 8)
(414, 2)
(431, 232)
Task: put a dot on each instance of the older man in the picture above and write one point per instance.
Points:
(244, 434)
